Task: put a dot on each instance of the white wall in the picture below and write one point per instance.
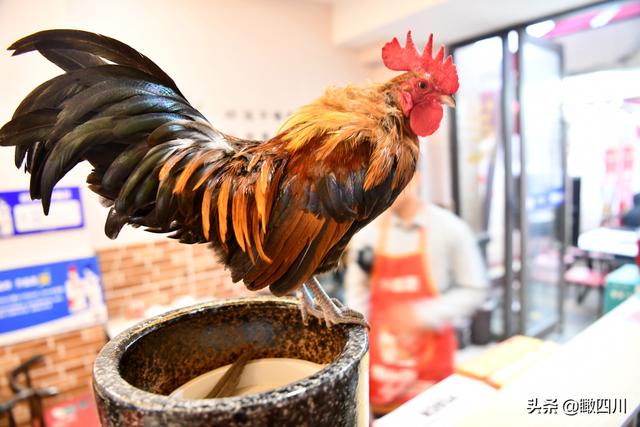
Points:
(243, 55)
(354, 20)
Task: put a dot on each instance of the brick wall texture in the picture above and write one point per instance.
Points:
(147, 274)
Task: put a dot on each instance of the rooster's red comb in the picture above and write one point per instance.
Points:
(408, 58)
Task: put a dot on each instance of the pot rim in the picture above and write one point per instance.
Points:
(110, 386)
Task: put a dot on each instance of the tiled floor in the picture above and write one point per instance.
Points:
(577, 316)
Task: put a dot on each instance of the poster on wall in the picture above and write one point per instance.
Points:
(47, 299)
(20, 215)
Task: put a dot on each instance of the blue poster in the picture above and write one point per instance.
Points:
(67, 293)
(20, 215)
(548, 199)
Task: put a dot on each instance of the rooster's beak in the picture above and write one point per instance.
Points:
(448, 101)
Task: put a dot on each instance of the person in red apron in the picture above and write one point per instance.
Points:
(404, 360)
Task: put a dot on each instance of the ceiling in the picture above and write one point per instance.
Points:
(359, 23)
(613, 46)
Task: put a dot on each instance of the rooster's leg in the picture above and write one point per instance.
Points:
(317, 303)
(308, 306)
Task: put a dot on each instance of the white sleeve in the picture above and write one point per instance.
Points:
(468, 267)
(469, 280)
(357, 290)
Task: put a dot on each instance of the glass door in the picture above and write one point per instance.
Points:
(541, 186)
(509, 174)
(482, 178)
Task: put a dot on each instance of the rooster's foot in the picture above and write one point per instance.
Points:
(316, 303)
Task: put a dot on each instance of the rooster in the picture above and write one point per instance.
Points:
(275, 212)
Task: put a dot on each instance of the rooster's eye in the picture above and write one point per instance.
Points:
(422, 85)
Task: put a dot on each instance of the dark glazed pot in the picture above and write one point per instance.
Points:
(135, 372)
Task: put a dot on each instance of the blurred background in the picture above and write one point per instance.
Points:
(539, 159)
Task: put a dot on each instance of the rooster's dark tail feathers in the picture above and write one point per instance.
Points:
(113, 107)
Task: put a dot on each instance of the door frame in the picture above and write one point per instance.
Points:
(523, 38)
(507, 96)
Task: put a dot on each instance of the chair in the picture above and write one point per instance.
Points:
(587, 278)
(20, 383)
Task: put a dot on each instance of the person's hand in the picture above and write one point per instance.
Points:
(431, 314)
(415, 316)
(404, 318)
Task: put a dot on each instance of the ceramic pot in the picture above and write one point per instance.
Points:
(137, 370)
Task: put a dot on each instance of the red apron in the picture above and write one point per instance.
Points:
(402, 365)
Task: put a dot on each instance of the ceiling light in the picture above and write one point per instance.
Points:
(603, 18)
(540, 29)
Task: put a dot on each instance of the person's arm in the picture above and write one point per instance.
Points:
(451, 307)
(357, 289)
(469, 282)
